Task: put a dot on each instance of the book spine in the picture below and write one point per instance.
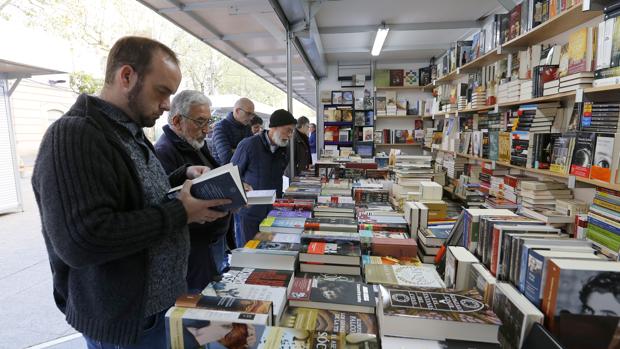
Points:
(551, 294)
(603, 238)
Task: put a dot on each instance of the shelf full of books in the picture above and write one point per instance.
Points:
(389, 263)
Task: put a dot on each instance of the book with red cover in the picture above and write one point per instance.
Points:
(362, 165)
(293, 204)
(394, 247)
(254, 276)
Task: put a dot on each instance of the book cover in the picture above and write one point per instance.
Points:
(394, 247)
(330, 277)
(329, 321)
(223, 182)
(313, 293)
(333, 248)
(580, 287)
(254, 276)
(403, 275)
(410, 78)
(277, 237)
(382, 77)
(602, 164)
(397, 77)
(293, 338)
(410, 311)
(560, 158)
(271, 245)
(577, 49)
(387, 260)
(516, 313)
(280, 224)
(581, 161)
(224, 303)
(289, 214)
(328, 223)
(367, 134)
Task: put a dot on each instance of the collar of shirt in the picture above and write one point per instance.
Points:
(271, 145)
(120, 117)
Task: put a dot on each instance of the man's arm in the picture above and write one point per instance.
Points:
(80, 200)
(221, 144)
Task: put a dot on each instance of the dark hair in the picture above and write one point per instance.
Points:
(606, 282)
(302, 121)
(134, 51)
(256, 120)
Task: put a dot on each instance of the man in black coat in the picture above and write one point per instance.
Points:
(183, 142)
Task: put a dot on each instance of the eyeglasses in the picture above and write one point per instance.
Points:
(200, 123)
(247, 112)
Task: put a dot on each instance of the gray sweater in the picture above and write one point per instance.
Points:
(100, 228)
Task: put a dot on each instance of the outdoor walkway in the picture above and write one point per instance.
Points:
(29, 315)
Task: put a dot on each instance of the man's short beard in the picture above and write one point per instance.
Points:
(133, 101)
(278, 140)
(192, 142)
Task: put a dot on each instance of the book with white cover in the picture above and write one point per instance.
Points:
(264, 259)
(458, 268)
(518, 315)
(403, 275)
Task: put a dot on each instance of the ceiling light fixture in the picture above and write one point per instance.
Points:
(382, 33)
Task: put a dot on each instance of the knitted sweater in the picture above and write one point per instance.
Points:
(97, 227)
(226, 136)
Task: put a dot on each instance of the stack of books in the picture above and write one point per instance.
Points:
(526, 90)
(478, 98)
(604, 219)
(334, 209)
(336, 187)
(600, 117)
(431, 238)
(332, 252)
(537, 117)
(574, 81)
(541, 195)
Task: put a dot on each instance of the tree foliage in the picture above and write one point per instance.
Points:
(81, 82)
(99, 23)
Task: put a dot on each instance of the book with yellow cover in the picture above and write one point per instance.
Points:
(329, 320)
(504, 147)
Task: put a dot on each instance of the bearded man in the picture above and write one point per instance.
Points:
(262, 160)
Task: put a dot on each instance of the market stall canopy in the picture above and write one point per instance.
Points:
(247, 31)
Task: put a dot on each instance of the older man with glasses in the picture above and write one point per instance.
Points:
(183, 142)
(230, 131)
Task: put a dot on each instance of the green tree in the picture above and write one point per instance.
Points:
(81, 82)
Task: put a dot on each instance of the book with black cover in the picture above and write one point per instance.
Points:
(540, 338)
(332, 295)
(223, 182)
(331, 251)
(583, 154)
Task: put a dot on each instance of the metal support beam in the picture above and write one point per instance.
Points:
(289, 97)
(273, 53)
(402, 27)
(14, 86)
(245, 36)
(214, 4)
(433, 46)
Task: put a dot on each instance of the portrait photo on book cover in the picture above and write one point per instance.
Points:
(589, 293)
(217, 335)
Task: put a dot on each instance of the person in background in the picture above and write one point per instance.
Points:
(312, 142)
(256, 124)
(303, 158)
(117, 246)
(262, 160)
(230, 131)
(183, 142)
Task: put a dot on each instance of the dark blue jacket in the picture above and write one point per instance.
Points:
(260, 168)
(312, 141)
(226, 137)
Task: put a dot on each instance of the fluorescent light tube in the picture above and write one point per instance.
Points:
(382, 33)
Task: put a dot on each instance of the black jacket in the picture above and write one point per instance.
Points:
(96, 225)
(173, 152)
(303, 158)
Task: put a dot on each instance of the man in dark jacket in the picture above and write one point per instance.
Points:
(183, 142)
(303, 159)
(262, 159)
(230, 131)
(117, 248)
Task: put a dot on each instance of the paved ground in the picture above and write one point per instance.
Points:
(29, 315)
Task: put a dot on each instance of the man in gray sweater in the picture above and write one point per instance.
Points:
(117, 248)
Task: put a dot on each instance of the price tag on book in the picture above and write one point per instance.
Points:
(496, 108)
(579, 95)
(493, 164)
(571, 182)
(499, 49)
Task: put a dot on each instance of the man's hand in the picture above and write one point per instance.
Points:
(247, 187)
(199, 211)
(195, 171)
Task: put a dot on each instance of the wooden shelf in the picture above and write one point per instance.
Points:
(338, 143)
(429, 86)
(442, 113)
(403, 116)
(600, 89)
(561, 23)
(337, 123)
(400, 144)
(486, 59)
(451, 76)
(399, 87)
(474, 110)
(551, 98)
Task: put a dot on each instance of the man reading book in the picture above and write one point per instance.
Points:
(117, 247)
(262, 160)
(183, 142)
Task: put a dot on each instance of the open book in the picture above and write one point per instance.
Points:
(224, 182)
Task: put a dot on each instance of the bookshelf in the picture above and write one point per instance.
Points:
(389, 88)
(486, 59)
(534, 171)
(550, 98)
(563, 22)
(451, 76)
(399, 144)
(404, 116)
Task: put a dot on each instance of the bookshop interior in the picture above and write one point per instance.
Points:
(466, 187)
